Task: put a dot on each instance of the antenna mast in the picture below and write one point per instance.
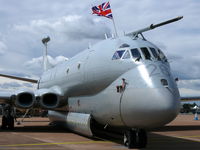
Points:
(46, 64)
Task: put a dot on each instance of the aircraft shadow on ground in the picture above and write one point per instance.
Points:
(178, 128)
(42, 129)
(158, 142)
(155, 140)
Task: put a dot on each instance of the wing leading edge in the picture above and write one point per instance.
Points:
(19, 78)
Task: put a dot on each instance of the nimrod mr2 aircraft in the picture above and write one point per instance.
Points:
(123, 83)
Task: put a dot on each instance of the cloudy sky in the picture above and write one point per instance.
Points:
(24, 23)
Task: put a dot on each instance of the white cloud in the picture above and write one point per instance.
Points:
(36, 64)
(57, 60)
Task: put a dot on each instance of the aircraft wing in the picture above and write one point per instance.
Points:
(19, 78)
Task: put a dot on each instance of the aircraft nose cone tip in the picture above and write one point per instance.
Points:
(166, 109)
(155, 110)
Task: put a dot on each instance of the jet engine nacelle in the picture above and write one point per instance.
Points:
(48, 99)
(23, 99)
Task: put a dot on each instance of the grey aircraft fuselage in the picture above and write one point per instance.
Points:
(89, 80)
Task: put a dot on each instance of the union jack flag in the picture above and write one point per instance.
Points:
(103, 10)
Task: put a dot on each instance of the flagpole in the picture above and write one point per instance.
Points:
(100, 12)
(116, 34)
(114, 27)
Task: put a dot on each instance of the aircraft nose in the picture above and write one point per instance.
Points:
(149, 107)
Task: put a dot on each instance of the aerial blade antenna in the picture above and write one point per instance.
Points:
(152, 26)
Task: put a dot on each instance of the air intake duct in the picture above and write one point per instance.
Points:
(23, 99)
(48, 99)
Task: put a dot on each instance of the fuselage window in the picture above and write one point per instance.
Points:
(126, 55)
(155, 54)
(118, 54)
(146, 53)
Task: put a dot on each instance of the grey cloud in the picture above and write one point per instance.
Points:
(24, 40)
(187, 67)
(189, 87)
(74, 27)
(15, 85)
(188, 83)
(173, 57)
(28, 85)
(184, 92)
(3, 48)
(10, 84)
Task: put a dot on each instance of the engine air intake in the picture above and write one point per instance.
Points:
(24, 100)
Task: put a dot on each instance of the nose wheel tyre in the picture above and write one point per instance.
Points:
(135, 138)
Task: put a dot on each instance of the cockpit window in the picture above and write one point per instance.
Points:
(135, 53)
(124, 45)
(146, 53)
(118, 54)
(155, 54)
(126, 55)
(161, 55)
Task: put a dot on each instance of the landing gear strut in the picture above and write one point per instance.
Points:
(135, 138)
(8, 118)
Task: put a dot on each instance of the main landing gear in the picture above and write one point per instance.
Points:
(8, 118)
(135, 138)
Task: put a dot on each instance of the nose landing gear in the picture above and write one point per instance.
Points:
(135, 138)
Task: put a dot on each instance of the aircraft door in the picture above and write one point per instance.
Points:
(121, 89)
